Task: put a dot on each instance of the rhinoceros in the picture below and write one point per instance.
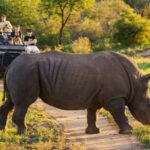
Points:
(77, 81)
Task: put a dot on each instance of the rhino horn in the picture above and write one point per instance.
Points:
(146, 77)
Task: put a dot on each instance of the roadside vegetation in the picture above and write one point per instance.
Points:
(140, 131)
(121, 24)
(43, 133)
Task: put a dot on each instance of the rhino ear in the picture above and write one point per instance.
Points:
(146, 78)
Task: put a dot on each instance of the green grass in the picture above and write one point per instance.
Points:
(140, 131)
(42, 133)
(142, 63)
(144, 66)
(143, 134)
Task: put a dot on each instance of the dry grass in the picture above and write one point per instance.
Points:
(42, 133)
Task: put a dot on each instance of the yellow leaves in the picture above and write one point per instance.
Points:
(81, 46)
(131, 28)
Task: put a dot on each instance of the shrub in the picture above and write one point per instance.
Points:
(132, 29)
(103, 43)
(81, 45)
(87, 28)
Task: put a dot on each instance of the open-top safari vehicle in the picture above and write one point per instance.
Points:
(8, 53)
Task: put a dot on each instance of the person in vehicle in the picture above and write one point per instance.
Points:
(16, 31)
(2, 37)
(17, 35)
(17, 40)
(31, 42)
(30, 38)
(10, 41)
(5, 25)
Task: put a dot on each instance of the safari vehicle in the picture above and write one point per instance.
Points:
(8, 53)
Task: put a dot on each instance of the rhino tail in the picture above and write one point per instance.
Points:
(5, 90)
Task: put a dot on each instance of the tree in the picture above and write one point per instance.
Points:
(138, 5)
(97, 23)
(131, 28)
(24, 13)
(2, 6)
(64, 10)
(147, 11)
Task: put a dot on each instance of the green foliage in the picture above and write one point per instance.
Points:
(132, 29)
(64, 10)
(87, 28)
(59, 22)
(81, 46)
(143, 64)
(143, 134)
(22, 12)
(140, 6)
(3, 6)
(104, 43)
(97, 23)
(146, 12)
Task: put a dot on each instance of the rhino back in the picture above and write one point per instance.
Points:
(130, 67)
(74, 81)
(68, 81)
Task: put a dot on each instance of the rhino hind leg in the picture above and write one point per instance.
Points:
(18, 118)
(117, 110)
(91, 121)
(4, 110)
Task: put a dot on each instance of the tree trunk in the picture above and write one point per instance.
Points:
(61, 34)
(63, 23)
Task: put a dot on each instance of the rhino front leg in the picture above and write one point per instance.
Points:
(91, 121)
(117, 110)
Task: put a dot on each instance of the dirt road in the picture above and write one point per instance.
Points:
(145, 53)
(74, 123)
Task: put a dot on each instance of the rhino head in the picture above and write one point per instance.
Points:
(140, 105)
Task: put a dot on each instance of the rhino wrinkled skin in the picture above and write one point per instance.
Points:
(76, 81)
